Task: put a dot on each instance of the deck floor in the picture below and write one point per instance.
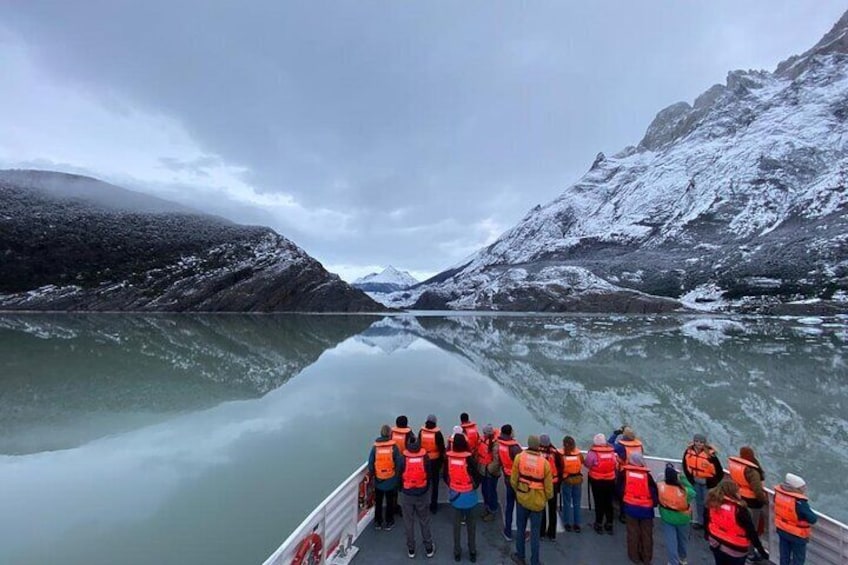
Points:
(587, 547)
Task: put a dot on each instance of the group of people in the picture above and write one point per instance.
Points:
(543, 483)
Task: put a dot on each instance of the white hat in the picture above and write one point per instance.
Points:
(458, 430)
(599, 439)
(794, 481)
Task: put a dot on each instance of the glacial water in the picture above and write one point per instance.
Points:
(205, 439)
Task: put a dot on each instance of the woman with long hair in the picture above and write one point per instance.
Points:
(728, 526)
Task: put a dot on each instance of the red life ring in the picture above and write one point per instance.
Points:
(308, 551)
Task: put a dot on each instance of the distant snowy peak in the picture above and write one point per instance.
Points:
(389, 280)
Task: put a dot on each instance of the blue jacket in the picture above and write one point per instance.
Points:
(392, 483)
(804, 512)
(463, 500)
(619, 449)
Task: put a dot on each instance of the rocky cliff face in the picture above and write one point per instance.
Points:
(73, 243)
(735, 201)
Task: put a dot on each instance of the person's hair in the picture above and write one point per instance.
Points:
(506, 429)
(402, 421)
(747, 452)
(568, 444)
(726, 488)
(385, 430)
(463, 417)
(459, 443)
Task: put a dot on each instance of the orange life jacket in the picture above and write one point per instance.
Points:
(672, 497)
(414, 471)
(399, 437)
(631, 446)
(724, 527)
(384, 460)
(551, 455)
(484, 451)
(428, 442)
(605, 469)
(503, 454)
(458, 477)
(573, 463)
(531, 470)
(471, 434)
(737, 466)
(637, 490)
(785, 515)
(698, 462)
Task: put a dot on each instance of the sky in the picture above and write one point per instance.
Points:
(371, 133)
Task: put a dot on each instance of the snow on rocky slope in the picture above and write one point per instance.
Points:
(388, 280)
(739, 197)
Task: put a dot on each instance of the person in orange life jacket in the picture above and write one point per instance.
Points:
(462, 479)
(532, 480)
(703, 470)
(571, 484)
(748, 475)
(675, 495)
(413, 496)
(639, 496)
(489, 467)
(383, 462)
(793, 518)
(433, 442)
(401, 434)
(601, 463)
(728, 526)
(549, 518)
(469, 428)
(457, 430)
(625, 443)
(508, 448)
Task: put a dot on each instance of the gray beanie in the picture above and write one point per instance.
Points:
(432, 418)
(545, 440)
(488, 430)
(533, 442)
(700, 437)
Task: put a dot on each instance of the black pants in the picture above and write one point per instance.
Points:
(434, 479)
(391, 501)
(549, 518)
(603, 493)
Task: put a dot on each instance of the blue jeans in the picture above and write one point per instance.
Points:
(792, 552)
(700, 495)
(489, 488)
(521, 517)
(675, 538)
(571, 504)
(509, 507)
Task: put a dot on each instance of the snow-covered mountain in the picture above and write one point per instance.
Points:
(388, 280)
(75, 243)
(738, 199)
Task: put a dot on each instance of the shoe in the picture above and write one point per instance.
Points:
(378, 526)
(411, 553)
(507, 535)
(457, 557)
(488, 517)
(622, 519)
(567, 527)
(682, 561)
(462, 522)
(389, 525)
(433, 508)
(608, 528)
(518, 560)
(431, 551)
(576, 529)
(473, 556)
(598, 528)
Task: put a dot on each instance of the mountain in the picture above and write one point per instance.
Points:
(389, 280)
(74, 243)
(737, 201)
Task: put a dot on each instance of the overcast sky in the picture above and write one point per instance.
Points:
(370, 133)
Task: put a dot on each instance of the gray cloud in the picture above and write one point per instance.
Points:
(424, 122)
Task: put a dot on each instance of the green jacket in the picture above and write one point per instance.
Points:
(532, 499)
(674, 517)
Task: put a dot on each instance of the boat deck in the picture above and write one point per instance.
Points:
(587, 547)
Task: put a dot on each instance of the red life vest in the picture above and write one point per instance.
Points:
(605, 469)
(672, 497)
(631, 446)
(785, 514)
(414, 472)
(458, 477)
(698, 462)
(531, 470)
(384, 460)
(573, 463)
(551, 455)
(399, 437)
(724, 527)
(503, 454)
(428, 442)
(471, 434)
(737, 466)
(484, 451)
(637, 490)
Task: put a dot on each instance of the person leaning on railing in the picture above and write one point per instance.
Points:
(793, 519)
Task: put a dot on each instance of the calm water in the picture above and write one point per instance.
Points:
(206, 439)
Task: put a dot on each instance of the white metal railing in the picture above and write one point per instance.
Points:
(339, 520)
